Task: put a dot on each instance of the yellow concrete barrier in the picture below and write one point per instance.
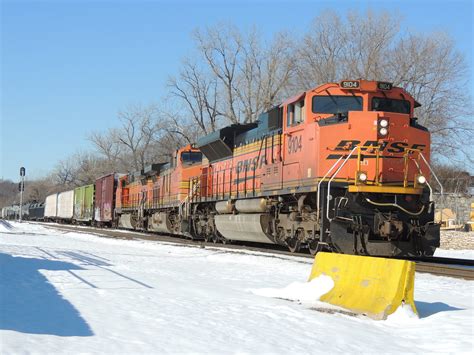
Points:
(367, 285)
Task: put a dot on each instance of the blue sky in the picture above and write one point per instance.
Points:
(67, 67)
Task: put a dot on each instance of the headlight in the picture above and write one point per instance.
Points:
(383, 131)
(361, 176)
(383, 123)
(421, 179)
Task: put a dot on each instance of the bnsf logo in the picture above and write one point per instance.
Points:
(249, 164)
(393, 147)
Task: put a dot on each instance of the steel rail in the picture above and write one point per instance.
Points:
(460, 272)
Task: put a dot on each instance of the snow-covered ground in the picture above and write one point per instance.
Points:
(450, 253)
(64, 292)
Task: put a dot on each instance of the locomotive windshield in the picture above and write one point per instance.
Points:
(390, 105)
(336, 104)
(191, 157)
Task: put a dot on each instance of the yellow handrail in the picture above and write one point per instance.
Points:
(406, 154)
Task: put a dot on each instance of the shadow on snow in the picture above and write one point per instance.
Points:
(426, 309)
(31, 304)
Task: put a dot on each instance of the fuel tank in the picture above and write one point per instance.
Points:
(244, 227)
(126, 221)
(255, 205)
(224, 207)
(159, 222)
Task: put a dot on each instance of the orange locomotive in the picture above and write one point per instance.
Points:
(343, 167)
(153, 198)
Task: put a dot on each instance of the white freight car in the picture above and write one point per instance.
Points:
(51, 206)
(65, 205)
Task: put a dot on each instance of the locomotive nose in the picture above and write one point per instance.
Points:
(400, 144)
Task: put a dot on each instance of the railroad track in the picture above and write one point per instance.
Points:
(450, 267)
(457, 271)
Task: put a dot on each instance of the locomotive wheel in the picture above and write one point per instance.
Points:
(293, 244)
(217, 238)
(313, 247)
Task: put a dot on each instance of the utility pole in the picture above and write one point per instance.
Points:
(21, 187)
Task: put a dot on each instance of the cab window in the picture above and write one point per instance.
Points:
(390, 105)
(191, 157)
(295, 113)
(335, 104)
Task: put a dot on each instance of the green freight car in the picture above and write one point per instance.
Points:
(84, 203)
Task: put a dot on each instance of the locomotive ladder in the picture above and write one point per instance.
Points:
(184, 207)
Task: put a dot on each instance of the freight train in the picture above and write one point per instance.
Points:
(343, 167)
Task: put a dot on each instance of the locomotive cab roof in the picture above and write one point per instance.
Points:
(361, 85)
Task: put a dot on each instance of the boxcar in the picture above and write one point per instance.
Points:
(105, 187)
(51, 207)
(66, 205)
(84, 203)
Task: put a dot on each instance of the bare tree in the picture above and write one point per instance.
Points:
(8, 192)
(320, 52)
(81, 168)
(181, 131)
(221, 49)
(107, 145)
(454, 178)
(130, 146)
(264, 73)
(251, 75)
(141, 127)
(199, 93)
(37, 190)
(64, 173)
(335, 48)
(373, 47)
(435, 73)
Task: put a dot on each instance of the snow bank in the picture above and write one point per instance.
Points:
(69, 293)
(402, 315)
(304, 292)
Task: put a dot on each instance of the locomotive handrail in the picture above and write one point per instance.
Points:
(420, 154)
(319, 186)
(437, 180)
(427, 183)
(406, 155)
(432, 172)
(332, 178)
